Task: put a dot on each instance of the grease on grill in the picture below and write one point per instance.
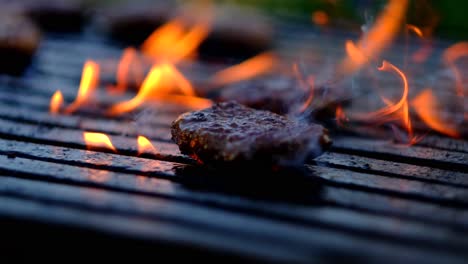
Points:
(229, 133)
(19, 39)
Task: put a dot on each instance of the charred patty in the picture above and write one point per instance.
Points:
(230, 133)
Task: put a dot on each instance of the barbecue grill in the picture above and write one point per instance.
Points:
(367, 199)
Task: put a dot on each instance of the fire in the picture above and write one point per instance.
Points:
(250, 68)
(423, 53)
(144, 145)
(310, 97)
(98, 140)
(354, 53)
(320, 18)
(173, 42)
(340, 115)
(129, 66)
(379, 36)
(56, 102)
(426, 106)
(415, 29)
(89, 81)
(162, 84)
(450, 56)
(398, 111)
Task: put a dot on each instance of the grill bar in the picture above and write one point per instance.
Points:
(397, 203)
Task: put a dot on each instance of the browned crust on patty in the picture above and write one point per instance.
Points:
(231, 133)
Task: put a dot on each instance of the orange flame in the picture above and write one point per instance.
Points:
(415, 29)
(171, 42)
(250, 68)
(354, 53)
(89, 81)
(379, 36)
(129, 65)
(452, 54)
(425, 104)
(144, 145)
(340, 115)
(398, 111)
(161, 84)
(320, 18)
(310, 97)
(98, 140)
(56, 102)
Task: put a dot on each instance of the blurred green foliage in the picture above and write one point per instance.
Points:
(448, 18)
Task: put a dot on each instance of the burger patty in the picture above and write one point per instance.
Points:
(285, 95)
(230, 133)
(277, 94)
(50, 15)
(19, 39)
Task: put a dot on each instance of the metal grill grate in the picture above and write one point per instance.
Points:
(375, 201)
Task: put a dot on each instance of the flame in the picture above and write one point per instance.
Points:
(129, 65)
(173, 42)
(250, 68)
(340, 115)
(354, 53)
(422, 53)
(56, 102)
(398, 111)
(425, 104)
(89, 81)
(162, 84)
(98, 140)
(452, 54)
(320, 18)
(310, 97)
(379, 36)
(144, 145)
(415, 29)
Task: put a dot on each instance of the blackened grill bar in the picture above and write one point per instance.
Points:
(390, 200)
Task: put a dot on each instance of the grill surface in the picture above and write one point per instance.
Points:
(365, 200)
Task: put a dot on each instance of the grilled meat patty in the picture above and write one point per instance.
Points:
(285, 95)
(234, 31)
(276, 94)
(19, 39)
(51, 15)
(230, 133)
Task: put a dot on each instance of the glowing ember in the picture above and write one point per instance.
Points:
(379, 36)
(89, 81)
(250, 68)
(172, 42)
(144, 145)
(129, 66)
(320, 18)
(426, 106)
(98, 140)
(56, 102)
